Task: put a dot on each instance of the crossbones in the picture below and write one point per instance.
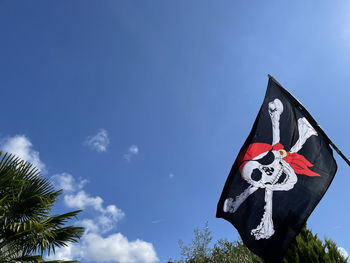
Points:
(271, 168)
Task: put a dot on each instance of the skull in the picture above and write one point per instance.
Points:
(269, 170)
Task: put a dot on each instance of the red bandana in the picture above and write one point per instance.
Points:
(298, 162)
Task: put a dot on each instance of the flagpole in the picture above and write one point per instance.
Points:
(311, 119)
(340, 153)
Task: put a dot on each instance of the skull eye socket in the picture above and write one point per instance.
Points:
(256, 175)
(267, 159)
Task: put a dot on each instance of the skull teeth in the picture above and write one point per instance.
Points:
(280, 172)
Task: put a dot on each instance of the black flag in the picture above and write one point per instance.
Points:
(281, 173)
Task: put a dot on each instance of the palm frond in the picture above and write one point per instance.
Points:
(26, 225)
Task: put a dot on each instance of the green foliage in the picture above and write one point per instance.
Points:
(306, 248)
(26, 226)
(232, 252)
(199, 248)
(199, 251)
(309, 248)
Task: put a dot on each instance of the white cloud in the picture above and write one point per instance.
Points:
(105, 223)
(133, 150)
(21, 146)
(82, 200)
(94, 245)
(116, 247)
(75, 197)
(108, 216)
(113, 248)
(89, 225)
(343, 252)
(63, 253)
(67, 182)
(98, 142)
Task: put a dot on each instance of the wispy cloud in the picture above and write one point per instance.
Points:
(133, 150)
(98, 142)
(157, 221)
(21, 146)
(171, 176)
(94, 245)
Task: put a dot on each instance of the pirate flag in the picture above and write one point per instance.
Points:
(280, 174)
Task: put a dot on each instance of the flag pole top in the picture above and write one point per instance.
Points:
(317, 125)
(272, 78)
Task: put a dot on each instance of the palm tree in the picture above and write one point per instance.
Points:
(27, 230)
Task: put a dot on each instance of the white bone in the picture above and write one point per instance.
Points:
(265, 228)
(275, 111)
(305, 132)
(232, 206)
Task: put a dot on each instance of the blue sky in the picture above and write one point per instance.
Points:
(139, 108)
